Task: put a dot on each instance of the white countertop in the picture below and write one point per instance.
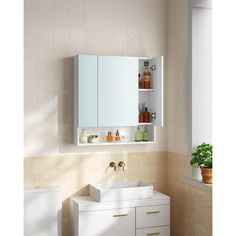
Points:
(37, 189)
(86, 203)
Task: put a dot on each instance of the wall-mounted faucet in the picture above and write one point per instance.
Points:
(112, 165)
(122, 165)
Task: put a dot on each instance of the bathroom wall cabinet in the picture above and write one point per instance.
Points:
(107, 96)
(129, 218)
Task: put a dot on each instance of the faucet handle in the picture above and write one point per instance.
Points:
(122, 165)
(112, 165)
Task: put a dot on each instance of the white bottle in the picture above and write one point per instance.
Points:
(83, 136)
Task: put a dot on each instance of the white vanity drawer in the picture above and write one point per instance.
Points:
(107, 222)
(152, 216)
(156, 231)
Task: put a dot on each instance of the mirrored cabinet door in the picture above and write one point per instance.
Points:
(87, 90)
(117, 91)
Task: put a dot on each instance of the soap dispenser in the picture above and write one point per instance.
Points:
(145, 134)
(146, 115)
(138, 135)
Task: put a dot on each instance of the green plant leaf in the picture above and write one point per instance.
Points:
(202, 156)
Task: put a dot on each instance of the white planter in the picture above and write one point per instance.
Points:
(196, 173)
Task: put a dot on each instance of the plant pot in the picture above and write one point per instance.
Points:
(206, 175)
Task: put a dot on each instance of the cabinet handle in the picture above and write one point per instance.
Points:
(153, 234)
(120, 215)
(153, 212)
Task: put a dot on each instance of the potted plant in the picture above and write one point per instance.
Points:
(202, 157)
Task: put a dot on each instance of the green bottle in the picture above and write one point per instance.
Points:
(138, 135)
(145, 134)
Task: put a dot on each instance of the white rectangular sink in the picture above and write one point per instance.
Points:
(121, 191)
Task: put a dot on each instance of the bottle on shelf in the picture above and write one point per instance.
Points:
(83, 136)
(138, 135)
(140, 81)
(140, 118)
(109, 137)
(146, 80)
(146, 115)
(117, 136)
(93, 138)
(146, 76)
(141, 108)
(145, 134)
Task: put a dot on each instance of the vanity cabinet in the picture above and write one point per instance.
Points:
(152, 216)
(155, 231)
(107, 97)
(149, 217)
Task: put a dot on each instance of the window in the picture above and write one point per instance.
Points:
(201, 75)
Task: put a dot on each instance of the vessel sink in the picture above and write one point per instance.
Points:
(120, 191)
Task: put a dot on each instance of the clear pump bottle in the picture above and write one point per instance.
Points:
(83, 136)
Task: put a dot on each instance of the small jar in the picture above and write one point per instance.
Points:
(109, 137)
(117, 137)
(93, 138)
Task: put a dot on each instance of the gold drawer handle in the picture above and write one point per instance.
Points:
(153, 212)
(120, 215)
(153, 234)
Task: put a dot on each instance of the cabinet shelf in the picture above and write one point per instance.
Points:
(146, 90)
(141, 124)
(113, 143)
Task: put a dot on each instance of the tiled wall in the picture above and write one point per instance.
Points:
(73, 173)
(178, 100)
(56, 30)
(191, 207)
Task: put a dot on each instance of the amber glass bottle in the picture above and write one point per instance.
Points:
(117, 137)
(140, 82)
(146, 80)
(109, 137)
(146, 115)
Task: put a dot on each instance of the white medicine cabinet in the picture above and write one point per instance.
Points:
(109, 96)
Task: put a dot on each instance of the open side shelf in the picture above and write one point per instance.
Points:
(143, 124)
(114, 143)
(146, 90)
(127, 135)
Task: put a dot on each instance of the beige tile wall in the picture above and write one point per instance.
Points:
(191, 207)
(178, 100)
(56, 30)
(73, 173)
